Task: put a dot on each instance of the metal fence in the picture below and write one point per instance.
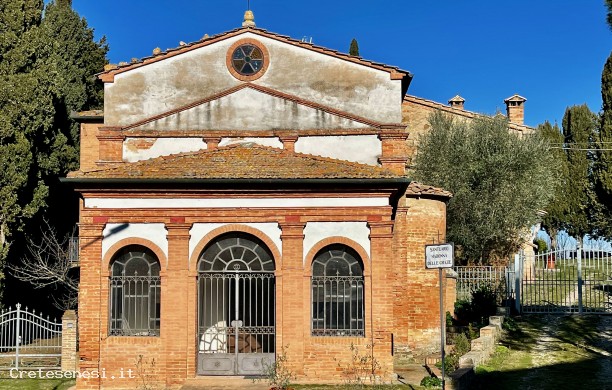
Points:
(566, 281)
(471, 278)
(559, 281)
(29, 340)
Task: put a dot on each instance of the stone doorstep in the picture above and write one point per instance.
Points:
(223, 383)
(412, 374)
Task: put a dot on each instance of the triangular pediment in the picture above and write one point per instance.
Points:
(252, 107)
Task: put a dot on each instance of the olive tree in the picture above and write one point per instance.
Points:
(500, 180)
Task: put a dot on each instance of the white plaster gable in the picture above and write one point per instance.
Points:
(314, 232)
(154, 232)
(197, 74)
(250, 109)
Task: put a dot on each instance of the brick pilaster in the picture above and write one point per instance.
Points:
(400, 268)
(111, 146)
(176, 331)
(382, 282)
(69, 341)
(91, 302)
(290, 290)
(394, 153)
(212, 143)
(289, 142)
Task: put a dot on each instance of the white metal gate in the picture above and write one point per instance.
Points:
(236, 305)
(565, 281)
(29, 341)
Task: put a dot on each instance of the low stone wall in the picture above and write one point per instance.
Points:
(482, 348)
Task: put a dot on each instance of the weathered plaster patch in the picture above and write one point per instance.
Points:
(135, 150)
(364, 149)
(273, 142)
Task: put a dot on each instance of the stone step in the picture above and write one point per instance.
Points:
(224, 382)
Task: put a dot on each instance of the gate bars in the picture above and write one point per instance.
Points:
(559, 281)
(28, 339)
(566, 281)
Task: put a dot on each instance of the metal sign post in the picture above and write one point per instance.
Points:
(440, 256)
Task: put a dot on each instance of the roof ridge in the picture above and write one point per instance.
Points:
(124, 66)
(463, 112)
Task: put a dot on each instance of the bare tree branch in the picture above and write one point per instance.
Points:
(47, 263)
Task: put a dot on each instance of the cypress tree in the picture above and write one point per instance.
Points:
(579, 128)
(354, 49)
(602, 171)
(609, 16)
(558, 208)
(46, 68)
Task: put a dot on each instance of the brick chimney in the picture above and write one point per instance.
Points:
(515, 109)
(457, 102)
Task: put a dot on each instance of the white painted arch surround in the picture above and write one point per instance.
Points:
(315, 232)
(154, 232)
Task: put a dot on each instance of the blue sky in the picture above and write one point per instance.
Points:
(549, 51)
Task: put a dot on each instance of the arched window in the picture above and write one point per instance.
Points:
(134, 293)
(236, 252)
(337, 292)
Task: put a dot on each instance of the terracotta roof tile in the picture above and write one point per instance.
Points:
(242, 161)
(423, 189)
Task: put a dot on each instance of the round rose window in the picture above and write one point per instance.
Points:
(247, 59)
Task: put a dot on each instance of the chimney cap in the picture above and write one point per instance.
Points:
(456, 99)
(515, 98)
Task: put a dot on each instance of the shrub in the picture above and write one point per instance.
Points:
(431, 382)
(482, 305)
(542, 245)
(451, 361)
(277, 374)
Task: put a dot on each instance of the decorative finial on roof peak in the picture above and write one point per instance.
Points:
(249, 19)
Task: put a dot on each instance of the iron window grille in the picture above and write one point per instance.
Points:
(135, 288)
(337, 293)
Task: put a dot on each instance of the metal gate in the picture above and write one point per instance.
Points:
(236, 306)
(565, 281)
(29, 341)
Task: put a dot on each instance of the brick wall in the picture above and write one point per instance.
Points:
(417, 304)
(401, 297)
(89, 146)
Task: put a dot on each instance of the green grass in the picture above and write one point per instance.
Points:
(35, 384)
(347, 387)
(549, 352)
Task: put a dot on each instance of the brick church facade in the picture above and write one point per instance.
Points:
(247, 194)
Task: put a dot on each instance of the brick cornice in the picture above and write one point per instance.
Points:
(393, 135)
(91, 230)
(292, 229)
(104, 136)
(396, 159)
(381, 229)
(240, 133)
(178, 230)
